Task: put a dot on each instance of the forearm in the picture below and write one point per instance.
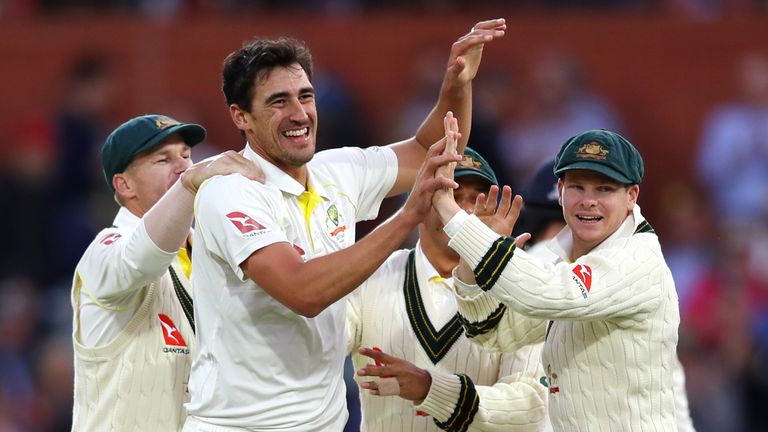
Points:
(453, 97)
(322, 281)
(168, 222)
(516, 404)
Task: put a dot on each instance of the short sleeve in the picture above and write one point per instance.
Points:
(236, 216)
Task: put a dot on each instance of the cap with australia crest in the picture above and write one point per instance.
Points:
(602, 151)
(473, 164)
(143, 133)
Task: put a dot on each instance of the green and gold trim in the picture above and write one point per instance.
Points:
(466, 407)
(184, 298)
(473, 329)
(644, 227)
(436, 343)
(489, 268)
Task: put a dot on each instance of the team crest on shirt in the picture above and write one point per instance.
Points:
(334, 223)
(551, 381)
(174, 341)
(110, 238)
(582, 276)
(247, 226)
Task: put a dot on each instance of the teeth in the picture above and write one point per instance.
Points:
(295, 133)
(590, 218)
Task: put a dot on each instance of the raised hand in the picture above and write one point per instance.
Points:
(438, 159)
(500, 215)
(229, 162)
(467, 52)
(443, 200)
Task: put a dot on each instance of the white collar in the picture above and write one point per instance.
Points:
(125, 219)
(563, 241)
(278, 178)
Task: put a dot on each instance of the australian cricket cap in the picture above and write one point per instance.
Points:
(473, 164)
(602, 151)
(143, 133)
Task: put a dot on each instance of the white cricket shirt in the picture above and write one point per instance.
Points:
(260, 365)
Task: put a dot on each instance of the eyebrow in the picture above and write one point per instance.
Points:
(284, 94)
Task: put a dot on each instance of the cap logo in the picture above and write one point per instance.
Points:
(592, 150)
(163, 122)
(468, 162)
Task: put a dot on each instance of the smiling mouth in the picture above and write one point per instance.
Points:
(295, 133)
(589, 219)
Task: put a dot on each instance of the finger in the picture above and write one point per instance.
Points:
(522, 239)
(490, 24)
(371, 386)
(378, 355)
(480, 203)
(517, 205)
(435, 184)
(432, 164)
(372, 354)
(493, 197)
(506, 201)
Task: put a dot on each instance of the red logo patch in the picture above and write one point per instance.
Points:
(338, 230)
(244, 223)
(110, 238)
(584, 273)
(299, 250)
(171, 333)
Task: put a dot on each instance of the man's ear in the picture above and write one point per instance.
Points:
(123, 186)
(238, 116)
(634, 194)
(560, 192)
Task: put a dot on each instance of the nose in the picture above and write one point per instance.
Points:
(588, 200)
(298, 111)
(181, 164)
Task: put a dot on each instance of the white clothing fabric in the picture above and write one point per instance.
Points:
(609, 352)
(260, 365)
(131, 339)
(382, 312)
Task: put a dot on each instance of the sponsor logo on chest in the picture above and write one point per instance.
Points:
(582, 276)
(174, 341)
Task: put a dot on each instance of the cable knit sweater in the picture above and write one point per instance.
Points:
(609, 350)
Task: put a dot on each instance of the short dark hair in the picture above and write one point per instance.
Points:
(257, 58)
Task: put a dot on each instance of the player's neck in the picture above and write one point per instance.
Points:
(442, 258)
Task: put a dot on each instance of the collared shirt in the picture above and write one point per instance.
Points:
(261, 365)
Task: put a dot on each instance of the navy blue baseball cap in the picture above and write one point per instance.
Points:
(143, 133)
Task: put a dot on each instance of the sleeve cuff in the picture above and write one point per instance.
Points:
(148, 255)
(464, 290)
(472, 239)
(440, 402)
(453, 225)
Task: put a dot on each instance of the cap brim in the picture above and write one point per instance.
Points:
(597, 167)
(468, 172)
(192, 134)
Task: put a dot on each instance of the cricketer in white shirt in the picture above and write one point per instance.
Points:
(260, 363)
